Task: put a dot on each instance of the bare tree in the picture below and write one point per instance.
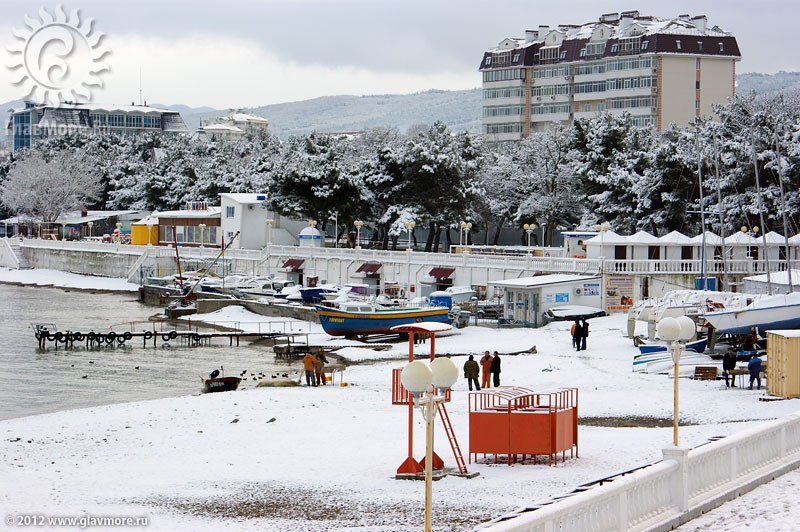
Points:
(47, 187)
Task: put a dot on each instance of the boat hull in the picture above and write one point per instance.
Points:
(698, 346)
(337, 322)
(221, 384)
(763, 319)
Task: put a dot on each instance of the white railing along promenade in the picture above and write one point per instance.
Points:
(516, 263)
(685, 484)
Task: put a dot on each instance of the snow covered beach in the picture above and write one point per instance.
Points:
(324, 458)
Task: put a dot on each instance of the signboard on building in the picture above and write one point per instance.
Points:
(619, 293)
(591, 289)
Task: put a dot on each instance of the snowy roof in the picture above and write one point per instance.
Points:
(152, 220)
(245, 198)
(102, 107)
(775, 238)
(607, 237)
(642, 237)
(711, 239)
(740, 238)
(75, 217)
(675, 237)
(542, 280)
(211, 212)
(246, 117)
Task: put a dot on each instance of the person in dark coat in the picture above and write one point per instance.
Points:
(471, 372)
(729, 364)
(495, 369)
(584, 328)
(754, 366)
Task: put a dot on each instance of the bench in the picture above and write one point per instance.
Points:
(705, 373)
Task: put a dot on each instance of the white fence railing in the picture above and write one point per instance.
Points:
(683, 485)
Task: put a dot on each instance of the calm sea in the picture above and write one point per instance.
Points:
(37, 382)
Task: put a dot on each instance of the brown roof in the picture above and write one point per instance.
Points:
(293, 264)
(441, 273)
(369, 267)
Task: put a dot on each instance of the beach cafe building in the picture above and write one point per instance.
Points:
(197, 225)
(526, 299)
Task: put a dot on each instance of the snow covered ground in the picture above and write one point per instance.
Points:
(42, 277)
(324, 458)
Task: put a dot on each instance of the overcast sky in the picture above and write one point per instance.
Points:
(242, 53)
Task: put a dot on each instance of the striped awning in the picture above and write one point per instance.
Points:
(293, 264)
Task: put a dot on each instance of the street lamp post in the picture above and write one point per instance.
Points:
(336, 229)
(529, 228)
(358, 224)
(39, 229)
(465, 228)
(269, 222)
(676, 331)
(91, 226)
(409, 228)
(202, 234)
(150, 231)
(420, 379)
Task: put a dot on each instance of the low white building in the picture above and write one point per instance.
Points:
(234, 126)
(526, 299)
(257, 225)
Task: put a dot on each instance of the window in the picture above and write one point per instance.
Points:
(614, 48)
(678, 44)
(587, 108)
(488, 60)
(697, 63)
(590, 86)
(492, 129)
(551, 90)
(516, 58)
(549, 54)
(697, 85)
(721, 47)
(229, 211)
(583, 52)
(505, 74)
(595, 49)
(563, 54)
(644, 45)
(697, 104)
(505, 110)
(508, 92)
(700, 46)
(601, 107)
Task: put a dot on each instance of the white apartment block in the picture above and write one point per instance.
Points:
(659, 70)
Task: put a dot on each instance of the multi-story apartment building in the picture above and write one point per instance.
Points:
(659, 70)
(34, 122)
(234, 126)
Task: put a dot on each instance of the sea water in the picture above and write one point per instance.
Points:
(38, 381)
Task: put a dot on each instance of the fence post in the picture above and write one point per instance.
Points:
(680, 479)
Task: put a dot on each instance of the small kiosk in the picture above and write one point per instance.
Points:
(516, 421)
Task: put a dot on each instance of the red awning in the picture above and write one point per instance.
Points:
(441, 273)
(293, 264)
(369, 267)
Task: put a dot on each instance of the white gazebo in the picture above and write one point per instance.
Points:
(677, 246)
(644, 246)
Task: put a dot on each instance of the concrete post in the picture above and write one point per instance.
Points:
(680, 483)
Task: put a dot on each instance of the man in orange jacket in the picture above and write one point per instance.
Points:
(486, 366)
(309, 361)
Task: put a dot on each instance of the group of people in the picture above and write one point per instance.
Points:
(729, 364)
(489, 369)
(580, 331)
(314, 368)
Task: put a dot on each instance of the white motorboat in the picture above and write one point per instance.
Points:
(269, 287)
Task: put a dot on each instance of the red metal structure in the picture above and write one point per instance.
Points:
(515, 421)
(400, 396)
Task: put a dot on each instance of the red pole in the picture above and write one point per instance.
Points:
(410, 401)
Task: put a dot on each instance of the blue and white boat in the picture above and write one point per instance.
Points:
(779, 312)
(698, 346)
(354, 318)
(316, 294)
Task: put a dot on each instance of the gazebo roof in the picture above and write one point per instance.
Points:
(740, 238)
(607, 237)
(642, 237)
(711, 239)
(675, 237)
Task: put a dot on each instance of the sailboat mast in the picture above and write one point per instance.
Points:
(761, 212)
(783, 211)
(721, 214)
(702, 211)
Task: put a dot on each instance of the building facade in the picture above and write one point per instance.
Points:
(659, 70)
(35, 122)
(234, 126)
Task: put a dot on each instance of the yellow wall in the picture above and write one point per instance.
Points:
(139, 235)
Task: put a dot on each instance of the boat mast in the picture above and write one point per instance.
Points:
(783, 210)
(761, 211)
(702, 210)
(721, 214)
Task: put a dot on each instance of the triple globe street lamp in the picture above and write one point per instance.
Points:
(358, 224)
(529, 229)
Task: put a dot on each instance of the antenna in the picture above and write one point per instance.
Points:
(140, 85)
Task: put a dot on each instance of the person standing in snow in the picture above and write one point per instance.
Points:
(471, 371)
(576, 338)
(309, 361)
(495, 369)
(728, 365)
(486, 365)
(319, 366)
(584, 328)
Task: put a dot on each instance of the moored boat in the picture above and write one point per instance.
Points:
(697, 346)
(767, 313)
(359, 319)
